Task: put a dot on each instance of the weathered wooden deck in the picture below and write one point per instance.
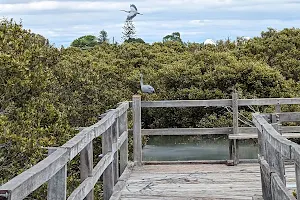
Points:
(193, 181)
(196, 181)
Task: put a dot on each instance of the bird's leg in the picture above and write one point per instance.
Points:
(125, 11)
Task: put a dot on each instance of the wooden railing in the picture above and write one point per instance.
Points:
(235, 133)
(274, 149)
(53, 169)
(114, 132)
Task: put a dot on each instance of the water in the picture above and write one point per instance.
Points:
(174, 148)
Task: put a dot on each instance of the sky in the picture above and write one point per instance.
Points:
(197, 20)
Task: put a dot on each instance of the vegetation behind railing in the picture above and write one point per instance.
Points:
(113, 129)
(47, 91)
(53, 169)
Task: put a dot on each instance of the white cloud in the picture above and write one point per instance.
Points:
(184, 33)
(199, 22)
(63, 21)
(147, 6)
(60, 5)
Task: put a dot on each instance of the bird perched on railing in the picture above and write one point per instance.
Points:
(132, 13)
(146, 88)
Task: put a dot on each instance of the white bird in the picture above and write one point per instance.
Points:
(146, 88)
(132, 13)
(209, 41)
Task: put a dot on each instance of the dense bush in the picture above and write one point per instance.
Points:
(46, 92)
(279, 49)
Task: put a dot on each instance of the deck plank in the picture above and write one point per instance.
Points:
(193, 182)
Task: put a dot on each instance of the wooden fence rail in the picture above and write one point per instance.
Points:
(53, 169)
(220, 102)
(235, 133)
(274, 148)
(113, 128)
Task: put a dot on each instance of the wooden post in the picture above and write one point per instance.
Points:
(261, 145)
(115, 136)
(278, 160)
(265, 175)
(279, 166)
(275, 161)
(124, 147)
(137, 139)
(86, 166)
(277, 108)
(230, 149)
(57, 185)
(297, 171)
(275, 122)
(235, 126)
(108, 175)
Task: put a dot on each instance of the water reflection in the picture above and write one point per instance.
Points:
(173, 148)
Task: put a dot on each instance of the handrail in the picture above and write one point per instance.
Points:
(219, 102)
(25, 183)
(113, 128)
(285, 130)
(273, 150)
(235, 133)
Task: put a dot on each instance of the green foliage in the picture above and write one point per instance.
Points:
(174, 37)
(47, 92)
(137, 40)
(85, 41)
(279, 49)
(294, 193)
(30, 117)
(103, 37)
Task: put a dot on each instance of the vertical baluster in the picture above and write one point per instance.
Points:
(108, 175)
(278, 110)
(137, 140)
(124, 147)
(265, 173)
(115, 136)
(295, 156)
(297, 171)
(86, 166)
(57, 185)
(235, 126)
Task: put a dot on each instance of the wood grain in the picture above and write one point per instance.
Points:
(202, 181)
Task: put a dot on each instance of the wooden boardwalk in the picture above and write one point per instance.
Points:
(176, 181)
(193, 182)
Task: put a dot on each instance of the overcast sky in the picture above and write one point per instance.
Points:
(63, 21)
